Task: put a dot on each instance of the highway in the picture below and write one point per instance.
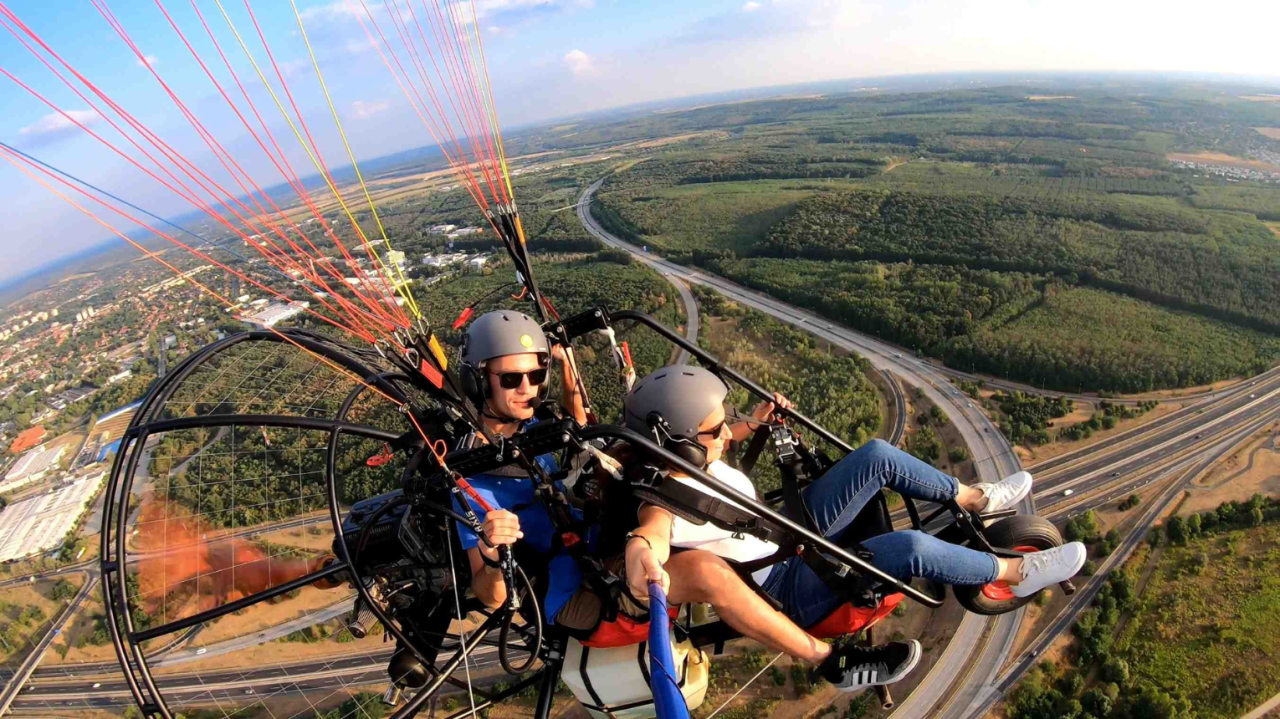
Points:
(20, 675)
(967, 655)
(967, 677)
(967, 674)
(1183, 473)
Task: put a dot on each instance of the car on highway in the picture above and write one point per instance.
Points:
(248, 691)
(1115, 474)
(202, 650)
(895, 354)
(1068, 493)
(1199, 436)
(1252, 396)
(97, 684)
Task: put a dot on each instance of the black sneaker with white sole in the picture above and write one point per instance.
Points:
(852, 668)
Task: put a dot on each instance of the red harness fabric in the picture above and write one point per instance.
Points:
(621, 632)
(848, 619)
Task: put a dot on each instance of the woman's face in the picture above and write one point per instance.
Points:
(713, 433)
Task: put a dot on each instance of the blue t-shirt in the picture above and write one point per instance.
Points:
(515, 494)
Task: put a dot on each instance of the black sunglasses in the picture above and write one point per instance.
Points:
(730, 415)
(512, 380)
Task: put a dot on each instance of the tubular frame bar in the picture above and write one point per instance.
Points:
(713, 364)
(119, 486)
(755, 506)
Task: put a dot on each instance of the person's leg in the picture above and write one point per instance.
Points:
(841, 493)
(700, 576)
(906, 554)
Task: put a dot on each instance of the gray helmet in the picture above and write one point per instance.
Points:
(502, 333)
(683, 395)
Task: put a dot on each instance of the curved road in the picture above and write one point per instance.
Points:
(979, 645)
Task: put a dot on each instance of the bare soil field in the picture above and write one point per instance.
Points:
(1271, 132)
(1253, 468)
(1261, 98)
(1218, 158)
(14, 601)
(1274, 227)
(1043, 98)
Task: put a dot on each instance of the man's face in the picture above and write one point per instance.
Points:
(513, 402)
(713, 433)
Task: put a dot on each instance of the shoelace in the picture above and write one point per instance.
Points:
(1040, 562)
(867, 665)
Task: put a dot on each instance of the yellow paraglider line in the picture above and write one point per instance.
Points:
(492, 110)
(402, 285)
(285, 113)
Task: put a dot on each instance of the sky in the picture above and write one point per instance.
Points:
(547, 59)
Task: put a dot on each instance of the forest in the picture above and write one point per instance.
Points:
(248, 475)
(995, 232)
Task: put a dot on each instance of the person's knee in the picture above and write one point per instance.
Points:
(913, 542)
(704, 576)
(877, 448)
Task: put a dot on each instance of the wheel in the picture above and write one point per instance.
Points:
(1021, 532)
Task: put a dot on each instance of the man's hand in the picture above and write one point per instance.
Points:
(502, 528)
(642, 568)
(764, 412)
(559, 351)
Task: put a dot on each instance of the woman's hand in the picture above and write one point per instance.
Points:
(643, 567)
(764, 412)
(502, 528)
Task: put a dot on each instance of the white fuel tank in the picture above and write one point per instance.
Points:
(614, 683)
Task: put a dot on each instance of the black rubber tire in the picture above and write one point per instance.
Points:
(1020, 530)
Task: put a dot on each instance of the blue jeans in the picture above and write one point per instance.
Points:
(840, 494)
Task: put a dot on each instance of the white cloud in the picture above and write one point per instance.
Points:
(56, 123)
(340, 10)
(365, 110)
(359, 47)
(579, 62)
(485, 8)
(146, 61)
(751, 7)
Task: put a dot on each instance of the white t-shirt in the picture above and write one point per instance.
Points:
(707, 536)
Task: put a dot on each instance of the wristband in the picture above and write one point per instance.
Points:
(496, 564)
(633, 535)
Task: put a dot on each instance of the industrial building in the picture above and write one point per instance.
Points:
(38, 524)
(277, 312)
(32, 467)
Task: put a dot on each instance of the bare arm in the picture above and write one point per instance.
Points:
(571, 399)
(763, 412)
(648, 550)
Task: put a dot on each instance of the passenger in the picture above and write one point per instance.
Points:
(690, 403)
(507, 355)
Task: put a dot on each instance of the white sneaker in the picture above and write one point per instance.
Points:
(1005, 493)
(1041, 569)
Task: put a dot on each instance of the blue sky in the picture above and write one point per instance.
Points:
(547, 59)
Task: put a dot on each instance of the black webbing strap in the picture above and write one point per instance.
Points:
(754, 448)
(698, 507)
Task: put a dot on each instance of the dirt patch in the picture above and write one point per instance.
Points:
(1261, 98)
(1186, 391)
(25, 612)
(1030, 457)
(1274, 227)
(264, 615)
(660, 142)
(1252, 468)
(1044, 98)
(1271, 132)
(1218, 158)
